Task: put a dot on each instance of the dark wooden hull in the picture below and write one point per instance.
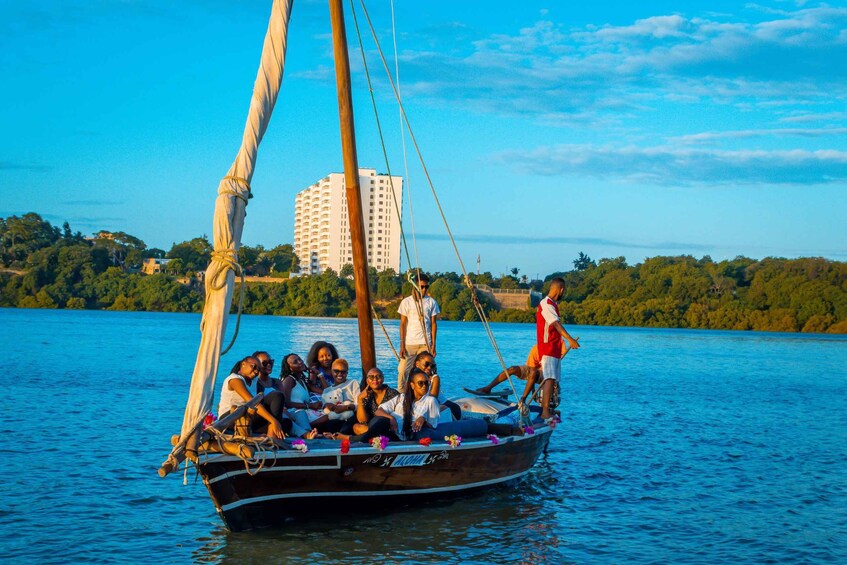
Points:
(291, 483)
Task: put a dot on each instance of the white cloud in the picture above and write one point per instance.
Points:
(740, 134)
(546, 69)
(667, 165)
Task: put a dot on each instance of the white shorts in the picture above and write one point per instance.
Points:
(551, 368)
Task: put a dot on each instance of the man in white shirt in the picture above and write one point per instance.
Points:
(418, 327)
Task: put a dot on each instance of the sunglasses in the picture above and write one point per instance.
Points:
(427, 364)
(375, 377)
(420, 383)
(268, 363)
(424, 286)
(337, 372)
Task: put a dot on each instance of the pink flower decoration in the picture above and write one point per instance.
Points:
(453, 440)
(345, 446)
(299, 445)
(209, 420)
(425, 441)
(494, 439)
(379, 442)
(529, 430)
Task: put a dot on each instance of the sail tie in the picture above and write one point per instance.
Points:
(226, 260)
(236, 193)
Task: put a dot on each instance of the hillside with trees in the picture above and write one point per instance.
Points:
(44, 266)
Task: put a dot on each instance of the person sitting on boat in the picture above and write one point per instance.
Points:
(426, 363)
(306, 412)
(340, 398)
(375, 393)
(405, 415)
(529, 372)
(418, 327)
(319, 360)
(266, 364)
(268, 417)
(414, 410)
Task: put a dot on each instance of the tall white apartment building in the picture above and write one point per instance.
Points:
(322, 228)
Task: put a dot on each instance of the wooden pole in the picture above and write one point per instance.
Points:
(351, 180)
(178, 454)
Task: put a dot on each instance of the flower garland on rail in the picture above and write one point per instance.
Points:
(299, 445)
(379, 442)
(453, 440)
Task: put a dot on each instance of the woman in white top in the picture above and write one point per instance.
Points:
(306, 412)
(403, 417)
(412, 411)
(340, 399)
(236, 392)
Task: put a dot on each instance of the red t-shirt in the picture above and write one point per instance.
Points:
(548, 339)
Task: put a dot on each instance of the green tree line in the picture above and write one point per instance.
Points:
(49, 267)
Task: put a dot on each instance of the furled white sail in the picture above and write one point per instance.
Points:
(233, 193)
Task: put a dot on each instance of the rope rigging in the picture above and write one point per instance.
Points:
(405, 119)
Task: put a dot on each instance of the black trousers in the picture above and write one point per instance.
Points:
(274, 402)
(378, 426)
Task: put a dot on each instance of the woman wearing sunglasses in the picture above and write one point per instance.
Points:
(265, 382)
(376, 392)
(426, 363)
(236, 392)
(404, 417)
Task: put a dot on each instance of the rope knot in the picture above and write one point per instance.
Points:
(227, 188)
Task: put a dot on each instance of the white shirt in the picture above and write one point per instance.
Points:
(345, 393)
(414, 329)
(426, 407)
(230, 398)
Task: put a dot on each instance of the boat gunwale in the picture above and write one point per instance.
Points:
(393, 447)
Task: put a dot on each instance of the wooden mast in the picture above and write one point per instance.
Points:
(351, 181)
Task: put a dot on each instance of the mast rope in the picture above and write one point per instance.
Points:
(381, 136)
(477, 305)
(403, 141)
(417, 297)
(387, 337)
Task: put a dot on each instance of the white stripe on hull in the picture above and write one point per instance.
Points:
(404, 492)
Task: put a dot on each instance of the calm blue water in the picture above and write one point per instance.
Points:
(677, 445)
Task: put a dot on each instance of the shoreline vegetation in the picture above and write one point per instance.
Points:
(43, 266)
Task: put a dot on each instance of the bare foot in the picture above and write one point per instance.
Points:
(311, 434)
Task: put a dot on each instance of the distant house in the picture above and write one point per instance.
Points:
(151, 266)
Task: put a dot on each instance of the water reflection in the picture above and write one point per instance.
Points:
(505, 524)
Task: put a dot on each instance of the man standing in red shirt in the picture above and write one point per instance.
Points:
(549, 334)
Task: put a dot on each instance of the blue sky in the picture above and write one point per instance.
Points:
(549, 128)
